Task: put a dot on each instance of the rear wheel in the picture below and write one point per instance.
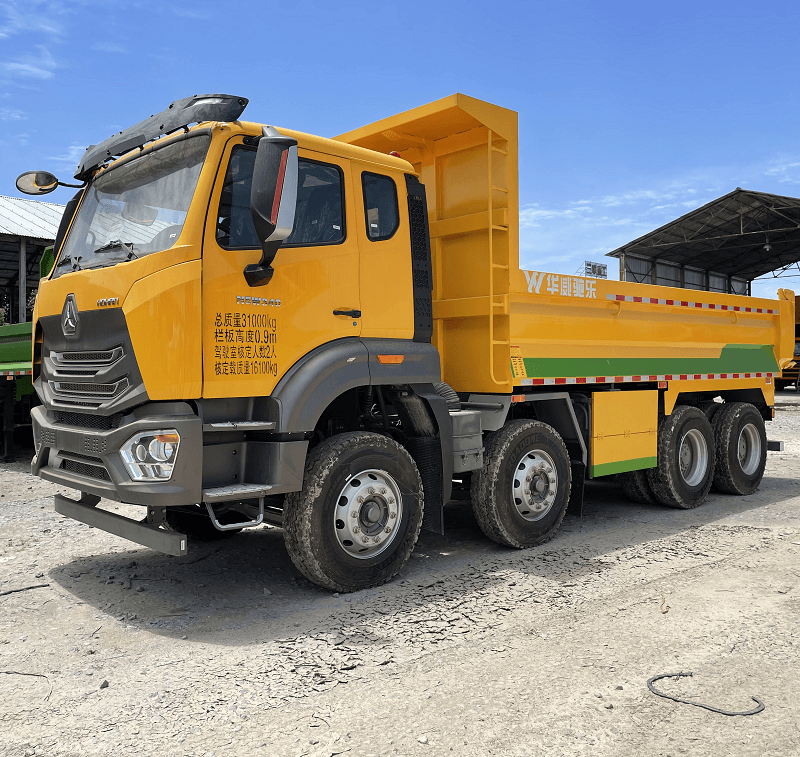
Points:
(355, 521)
(636, 487)
(521, 493)
(741, 444)
(685, 468)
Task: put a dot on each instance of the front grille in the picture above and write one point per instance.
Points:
(47, 436)
(65, 372)
(99, 391)
(87, 458)
(100, 356)
(85, 469)
(85, 420)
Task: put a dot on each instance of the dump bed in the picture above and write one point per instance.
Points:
(498, 327)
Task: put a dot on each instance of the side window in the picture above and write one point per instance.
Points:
(380, 206)
(234, 222)
(319, 216)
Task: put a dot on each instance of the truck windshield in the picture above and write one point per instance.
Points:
(135, 209)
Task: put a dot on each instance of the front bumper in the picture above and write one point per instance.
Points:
(151, 536)
(88, 459)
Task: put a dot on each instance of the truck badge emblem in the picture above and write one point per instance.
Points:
(69, 316)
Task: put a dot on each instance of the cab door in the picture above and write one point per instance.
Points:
(253, 335)
(387, 296)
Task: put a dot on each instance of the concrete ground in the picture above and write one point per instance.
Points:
(473, 650)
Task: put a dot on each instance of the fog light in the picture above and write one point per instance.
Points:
(151, 455)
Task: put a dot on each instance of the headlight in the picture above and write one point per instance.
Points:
(151, 455)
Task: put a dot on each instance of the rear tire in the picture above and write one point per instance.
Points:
(356, 520)
(521, 493)
(636, 487)
(685, 468)
(741, 445)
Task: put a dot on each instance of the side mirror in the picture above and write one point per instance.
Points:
(36, 182)
(273, 198)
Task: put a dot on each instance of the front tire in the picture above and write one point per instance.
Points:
(685, 468)
(521, 493)
(741, 444)
(356, 520)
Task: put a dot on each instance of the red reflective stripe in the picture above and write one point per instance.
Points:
(276, 204)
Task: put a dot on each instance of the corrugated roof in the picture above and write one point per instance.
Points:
(29, 218)
(745, 234)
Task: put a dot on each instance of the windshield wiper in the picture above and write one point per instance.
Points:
(115, 244)
(76, 263)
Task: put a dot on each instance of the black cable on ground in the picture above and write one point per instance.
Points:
(697, 704)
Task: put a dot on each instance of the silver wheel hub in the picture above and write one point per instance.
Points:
(749, 449)
(693, 457)
(368, 514)
(535, 485)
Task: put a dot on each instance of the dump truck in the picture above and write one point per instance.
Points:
(791, 372)
(248, 324)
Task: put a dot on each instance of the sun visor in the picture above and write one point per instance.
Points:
(178, 115)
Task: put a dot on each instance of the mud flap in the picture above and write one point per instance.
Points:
(575, 506)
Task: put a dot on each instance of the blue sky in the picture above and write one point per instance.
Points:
(631, 113)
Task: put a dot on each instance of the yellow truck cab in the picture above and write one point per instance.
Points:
(250, 324)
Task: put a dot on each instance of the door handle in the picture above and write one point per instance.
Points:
(348, 313)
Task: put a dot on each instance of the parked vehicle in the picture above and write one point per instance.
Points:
(247, 323)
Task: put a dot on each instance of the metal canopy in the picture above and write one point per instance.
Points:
(742, 235)
(26, 228)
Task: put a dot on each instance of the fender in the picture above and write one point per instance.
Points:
(319, 377)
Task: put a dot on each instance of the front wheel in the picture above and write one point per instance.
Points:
(354, 523)
(521, 493)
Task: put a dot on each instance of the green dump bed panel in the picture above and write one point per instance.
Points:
(15, 349)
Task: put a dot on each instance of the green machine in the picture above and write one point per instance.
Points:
(16, 344)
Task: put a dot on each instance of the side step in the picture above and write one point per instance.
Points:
(141, 533)
(774, 446)
(235, 492)
(240, 426)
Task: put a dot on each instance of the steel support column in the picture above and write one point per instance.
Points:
(23, 284)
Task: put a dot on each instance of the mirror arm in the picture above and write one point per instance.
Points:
(273, 198)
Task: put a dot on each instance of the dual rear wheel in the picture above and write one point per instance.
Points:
(728, 453)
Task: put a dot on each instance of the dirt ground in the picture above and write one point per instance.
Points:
(473, 650)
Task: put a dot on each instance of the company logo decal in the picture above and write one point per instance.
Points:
(266, 302)
(69, 316)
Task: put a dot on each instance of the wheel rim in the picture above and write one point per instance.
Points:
(693, 457)
(368, 514)
(749, 449)
(535, 485)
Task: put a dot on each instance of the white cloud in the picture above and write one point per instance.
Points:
(71, 155)
(38, 16)
(12, 114)
(38, 66)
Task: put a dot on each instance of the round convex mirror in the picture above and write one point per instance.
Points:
(36, 182)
